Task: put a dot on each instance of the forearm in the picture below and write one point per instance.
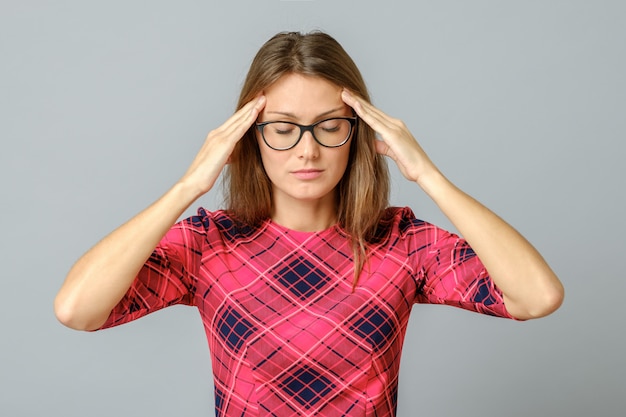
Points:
(101, 277)
(530, 287)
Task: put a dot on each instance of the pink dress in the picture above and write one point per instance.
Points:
(288, 334)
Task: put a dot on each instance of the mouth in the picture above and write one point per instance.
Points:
(307, 174)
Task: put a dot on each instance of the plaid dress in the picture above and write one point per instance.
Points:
(288, 334)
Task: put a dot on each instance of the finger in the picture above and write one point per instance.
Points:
(364, 105)
(358, 103)
(375, 118)
(247, 113)
(241, 120)
(382, 148)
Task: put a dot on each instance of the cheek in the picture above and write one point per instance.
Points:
(343, 162)
(345, 156)
(340, 166)
(269, 159)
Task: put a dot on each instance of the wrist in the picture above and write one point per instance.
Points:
(433, 183)
(183, 194)
(187, 190)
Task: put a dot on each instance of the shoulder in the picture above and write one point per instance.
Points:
(219, 222)
(399, 221)
(399, 224)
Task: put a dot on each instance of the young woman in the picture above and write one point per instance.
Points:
(306, 280)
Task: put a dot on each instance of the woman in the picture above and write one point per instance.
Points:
(306, 281)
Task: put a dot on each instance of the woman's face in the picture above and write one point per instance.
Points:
(308, 172)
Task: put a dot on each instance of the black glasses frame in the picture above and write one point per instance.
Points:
(308, 128)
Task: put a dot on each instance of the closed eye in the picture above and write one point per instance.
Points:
(330, 126)
(330, 129)
(282, 128)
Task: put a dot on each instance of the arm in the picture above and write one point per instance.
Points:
(101, 277)
(530, 288)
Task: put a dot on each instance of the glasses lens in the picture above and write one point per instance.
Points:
(284, 135)
(332, 132)
(281, 135)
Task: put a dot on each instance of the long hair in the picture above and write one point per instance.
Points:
(363, 191)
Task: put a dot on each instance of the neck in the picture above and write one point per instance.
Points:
(305, 216)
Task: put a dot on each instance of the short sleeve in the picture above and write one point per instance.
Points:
(447, 270)
(168, 277)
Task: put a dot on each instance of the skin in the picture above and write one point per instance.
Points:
(530, 287)
(304, 204)
(101, 277)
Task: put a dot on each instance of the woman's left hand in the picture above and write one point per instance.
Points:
(530, 288)
(396, 142)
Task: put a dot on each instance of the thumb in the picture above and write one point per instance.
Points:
(382, 148)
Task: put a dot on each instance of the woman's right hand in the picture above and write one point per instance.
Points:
(101, 277)
(218, 146)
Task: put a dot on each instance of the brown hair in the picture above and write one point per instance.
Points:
(363, 191)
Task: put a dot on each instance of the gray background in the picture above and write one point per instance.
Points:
(521, 103)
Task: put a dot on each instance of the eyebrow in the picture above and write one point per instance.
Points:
(289, 114)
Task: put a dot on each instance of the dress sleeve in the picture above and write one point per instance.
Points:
(448, 271)
(168, 277)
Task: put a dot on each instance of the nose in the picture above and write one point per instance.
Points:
(308, 148)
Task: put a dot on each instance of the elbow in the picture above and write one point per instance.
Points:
(68, 314)
(544, 303)
(550, 302)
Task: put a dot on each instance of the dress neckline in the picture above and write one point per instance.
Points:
(302, 235)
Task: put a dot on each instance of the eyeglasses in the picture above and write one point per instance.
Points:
(331, 133)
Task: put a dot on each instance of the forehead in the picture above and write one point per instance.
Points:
(303, 97)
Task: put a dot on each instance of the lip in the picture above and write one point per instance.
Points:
(307, 174)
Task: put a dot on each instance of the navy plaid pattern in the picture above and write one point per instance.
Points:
(288, 335)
